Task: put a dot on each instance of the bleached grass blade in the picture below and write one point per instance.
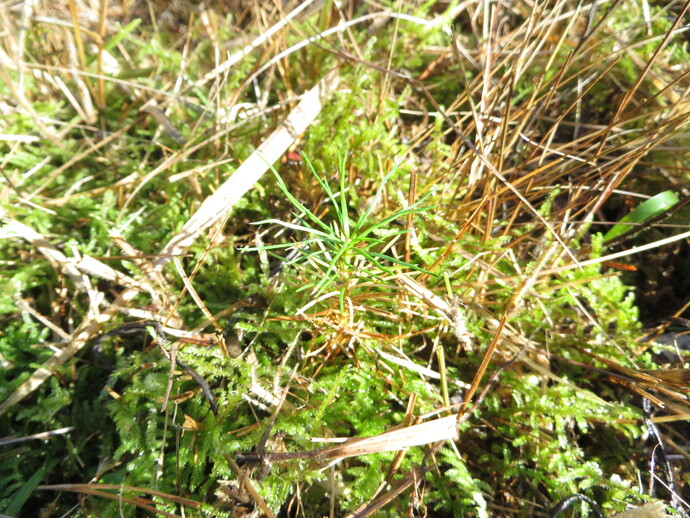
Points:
(418, 435)
(249, 173)
(55, 257)
(237, 56)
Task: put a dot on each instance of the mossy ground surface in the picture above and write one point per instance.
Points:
(429, 244)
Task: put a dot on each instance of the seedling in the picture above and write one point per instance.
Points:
(344, 252)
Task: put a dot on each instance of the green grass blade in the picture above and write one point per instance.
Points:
(296, 203)
(402, 263)
(327, 189)
(278, 246)
(365, 215)
(398, 215)
(344, 219)
(121, 35)
(22, 495)
(645, 211)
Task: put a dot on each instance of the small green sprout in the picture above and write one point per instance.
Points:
(343, 249)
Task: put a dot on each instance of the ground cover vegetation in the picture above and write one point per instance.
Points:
(230, 229)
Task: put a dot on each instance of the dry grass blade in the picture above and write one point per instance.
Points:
(104, 491)
(56, 258)
(36, 436)
(249, 487)
(227, 65)
(431, 432)
(412, 478)
(219, 204)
